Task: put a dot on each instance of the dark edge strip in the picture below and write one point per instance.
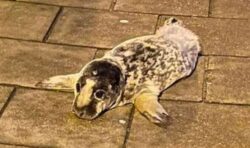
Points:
(112, 6)
(157, 23)
(130, 12)
(204, 84)
(35, 88)
(209, 8)
(130, 120)
(23, 145)
(11, 95)
(51, 27)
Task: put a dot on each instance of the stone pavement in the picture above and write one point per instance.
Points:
(42, 38)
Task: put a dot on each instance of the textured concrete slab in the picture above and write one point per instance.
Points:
(97, 4)
(173, 7)
(44, 118)
(228, 80)
(190, 88)
(4, 94)
(230, 8)
(25, 21)
(220, 36)
(194, 125)
(100, 28)
(26, 63)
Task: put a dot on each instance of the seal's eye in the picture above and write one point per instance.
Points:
(78, 87)
(99, 94)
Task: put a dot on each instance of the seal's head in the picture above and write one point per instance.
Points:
(98, 89)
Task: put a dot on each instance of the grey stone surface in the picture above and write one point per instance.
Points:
(228, 80)
(97, 4)
(220, 36)
(4, 94)
(100, 28)
(194, 125)
(172, 7)
(26, 63)
(25, 21)
(189, 88)
(44, 118)
(230, 8)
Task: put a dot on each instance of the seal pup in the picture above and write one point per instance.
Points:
(136, 71)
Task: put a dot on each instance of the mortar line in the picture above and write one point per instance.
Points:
(24, 145)
(53, 43)
(131, 12)
(35, 88)
(206, 102)
(112, 5)
(204, 84)
(11, 95)
(157, 23)
(209, 8)
(130, 121)
(52, 25)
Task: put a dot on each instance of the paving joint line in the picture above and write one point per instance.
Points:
(51, 43)
(52, 26)
(26, 146)
(132, 12)
(209, 8)
(35, 88)
(112, 5)
(130, 121)
(157, 23)
(206, 102)
(204, 84)
(11, 95)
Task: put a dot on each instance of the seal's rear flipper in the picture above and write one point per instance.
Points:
(60, 82)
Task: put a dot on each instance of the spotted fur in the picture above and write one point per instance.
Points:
(135, 71)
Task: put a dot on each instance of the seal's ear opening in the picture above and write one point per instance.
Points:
(173, 20)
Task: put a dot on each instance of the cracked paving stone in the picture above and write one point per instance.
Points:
(228, 80)
(220, 36)
(44, 118)
(99, 28)
(97, 4)
(4, 94)
(173, 7)
(194, 125)
(26, 63)
(25, 21)
(189, 88)
(230, 8)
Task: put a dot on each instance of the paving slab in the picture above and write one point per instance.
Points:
(100, 53)
(100, 28)
(44, 118)
(25, 21)
(97, 4)
(220, 36)
(4, 94)
(172, 7)
(230, 8)
(194, 125)
(228, 80)
(26, 63)
(189, 88)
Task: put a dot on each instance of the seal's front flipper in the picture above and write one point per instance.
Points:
(61, 82)
(147, 104)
